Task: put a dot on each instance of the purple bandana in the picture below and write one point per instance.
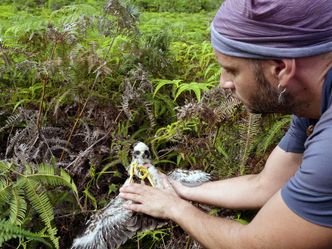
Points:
(273, 28)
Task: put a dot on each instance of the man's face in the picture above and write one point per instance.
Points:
(247, 81)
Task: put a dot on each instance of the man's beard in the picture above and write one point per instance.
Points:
(267, 99)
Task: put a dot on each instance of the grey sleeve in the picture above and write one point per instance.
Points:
(309, 192)
(294, 139)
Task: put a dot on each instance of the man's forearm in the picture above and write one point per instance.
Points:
(235, 193)
(209, 231)
(250, 191)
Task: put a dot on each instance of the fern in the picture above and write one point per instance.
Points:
(73, 13)
(5, 187)
(164, 105)
(18, 207)
(24, 23)
(272, 134)
(174, 131)
(11, 121)
(161, 83)
(10, 231)
(27, 189)
(179, 87)
(42, 205)
(248, 132)
(46, 174)
(197, 88)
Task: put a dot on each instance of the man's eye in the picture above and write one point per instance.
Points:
(229, 71)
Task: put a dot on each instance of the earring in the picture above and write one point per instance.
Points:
(281, 97)
(283, 91)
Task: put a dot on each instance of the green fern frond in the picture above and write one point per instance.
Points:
(89, 197)
(196, 87)
(173, 131)
(163, 105)
(73, 13)
(10, 231)
(4, 167)
(24, 23)
(272, 134)
(43, 206)
(5, 187)
(27, 189)
(161, 83)
(46, 174)
(18, 207)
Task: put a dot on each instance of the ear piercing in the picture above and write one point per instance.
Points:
(281, 98)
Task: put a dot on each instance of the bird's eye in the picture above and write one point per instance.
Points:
(146, 153)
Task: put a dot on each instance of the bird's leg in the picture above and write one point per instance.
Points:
(150, 180)
(146, 174)
(132, 171)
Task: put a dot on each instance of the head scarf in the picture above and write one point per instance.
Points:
(273, 28)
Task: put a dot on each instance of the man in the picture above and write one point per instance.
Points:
(276, 56)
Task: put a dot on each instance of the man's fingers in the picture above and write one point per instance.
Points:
(133, 188)
(134, 207)
(166, 182)
(129, 196)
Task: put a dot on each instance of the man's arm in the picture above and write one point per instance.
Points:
(249, 191)
(274, 227)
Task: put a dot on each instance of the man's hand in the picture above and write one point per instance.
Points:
(162, 203)
(180, 189)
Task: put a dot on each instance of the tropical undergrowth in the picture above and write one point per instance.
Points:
(80, 83)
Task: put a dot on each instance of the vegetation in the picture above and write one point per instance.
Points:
(81, 81)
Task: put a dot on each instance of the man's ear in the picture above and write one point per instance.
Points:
(283, 70)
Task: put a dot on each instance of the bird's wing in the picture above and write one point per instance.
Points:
(109, 228)
(113, 226)
(190, 178)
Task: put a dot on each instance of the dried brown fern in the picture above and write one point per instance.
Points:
(248, 133)
(134, 96)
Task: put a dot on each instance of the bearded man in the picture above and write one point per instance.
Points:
(276, 57)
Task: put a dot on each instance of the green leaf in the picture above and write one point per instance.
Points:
(161, 83)
(240, 220)
(197, 88)
(89, 196)
(113, 188)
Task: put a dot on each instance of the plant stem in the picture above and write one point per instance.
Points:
(41, 104)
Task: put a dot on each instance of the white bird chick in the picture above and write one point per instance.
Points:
(113, 225)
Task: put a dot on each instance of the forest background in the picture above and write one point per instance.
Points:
(81, 82)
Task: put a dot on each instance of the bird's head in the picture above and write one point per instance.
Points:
(141, 161)
(141, 153)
